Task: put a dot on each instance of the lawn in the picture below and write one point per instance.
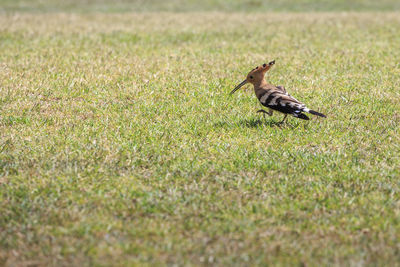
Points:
(120, 144)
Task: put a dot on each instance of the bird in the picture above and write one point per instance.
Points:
(275, 98)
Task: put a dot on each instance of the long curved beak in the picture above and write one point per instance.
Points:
(237, 87)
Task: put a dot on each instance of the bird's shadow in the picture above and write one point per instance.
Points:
(252, 123)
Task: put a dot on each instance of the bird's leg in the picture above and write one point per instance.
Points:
(270, 112)
(283, 119)
(263, 112)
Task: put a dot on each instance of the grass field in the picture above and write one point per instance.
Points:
(120, 144)
(118, 6)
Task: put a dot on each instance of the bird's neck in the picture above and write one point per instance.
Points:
(260, 84)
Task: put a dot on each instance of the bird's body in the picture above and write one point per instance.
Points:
(275, 98)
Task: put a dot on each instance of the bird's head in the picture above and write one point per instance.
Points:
(256, 75)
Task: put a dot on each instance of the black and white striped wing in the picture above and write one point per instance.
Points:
(279, 101)
(283, 90)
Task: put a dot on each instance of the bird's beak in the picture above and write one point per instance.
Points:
(240, 85)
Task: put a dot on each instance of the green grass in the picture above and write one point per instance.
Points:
(119, 143)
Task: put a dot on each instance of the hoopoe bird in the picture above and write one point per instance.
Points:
(275, 98)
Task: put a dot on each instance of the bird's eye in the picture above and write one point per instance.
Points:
(251, 77)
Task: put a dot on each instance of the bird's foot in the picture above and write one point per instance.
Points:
(282, 121)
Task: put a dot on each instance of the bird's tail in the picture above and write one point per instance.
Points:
(314, 112)
(303, 116)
